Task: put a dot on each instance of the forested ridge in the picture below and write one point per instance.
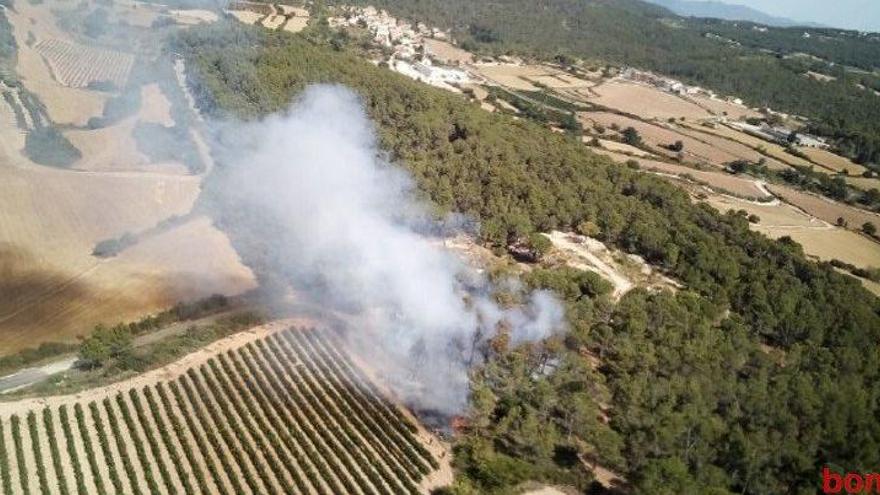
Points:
(649, 37)
(698, 400)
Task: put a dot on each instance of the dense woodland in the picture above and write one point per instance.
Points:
(647, 36)
(763, 370)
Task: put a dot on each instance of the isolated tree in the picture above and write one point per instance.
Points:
(869, 228)
(677, 146)
(631, 136)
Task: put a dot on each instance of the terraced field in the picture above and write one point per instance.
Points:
(77, 65)
(279, 410)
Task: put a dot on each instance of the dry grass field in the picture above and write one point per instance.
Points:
(272, 410)
(773, 150)
(658, 137)
(645, 101)
(525, 77)
(734, 148)
(273, 21)
(77, 66)
(719, 181)
(447, 52)
(724, 108)
(296, 24)
(825, 209)
(51, 287)
(832, 162)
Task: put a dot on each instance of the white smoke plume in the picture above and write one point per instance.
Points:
(346, 224)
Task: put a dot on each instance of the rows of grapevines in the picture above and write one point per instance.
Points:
(335, 430)
(358, 436)
(54, 452)
(5, 470)
(104, 443)
(348, 397)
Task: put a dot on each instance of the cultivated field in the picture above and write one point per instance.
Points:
(272, 410)
(824, 208)
(621, 148)
(447, 52)
(724, 108)
(734, 148)
(819, 238)
(719, 181)
(658, 137)
(771, 149)
(833, 162)
(863, 183)
(524, 77)
(76, 66)
(645, 101)
(65, 105)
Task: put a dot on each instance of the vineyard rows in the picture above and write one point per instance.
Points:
(286, 413)
(77, 65)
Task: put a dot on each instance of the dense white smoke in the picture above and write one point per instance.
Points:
(345, 224)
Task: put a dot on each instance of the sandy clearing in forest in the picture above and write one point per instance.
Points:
(722, 181)
(646, 101)
(621, 147)
(586, 257)
(194, 16)
(246, 16)
(296, 24)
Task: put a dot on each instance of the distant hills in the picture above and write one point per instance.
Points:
(726, 11)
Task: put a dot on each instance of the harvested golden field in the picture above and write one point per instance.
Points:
(54, 289)
(524, 77)
(825, 209)
(646, 102)
(835, 163)
(818, 238)
(447, 52)
(771, 149)
(77, 66)
(720, 181)
(658, 137)
(273, 21)
(730, 146)
(828, 245)
(275, 409)
(724, 108)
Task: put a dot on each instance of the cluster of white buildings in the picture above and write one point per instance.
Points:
(665, 83)
(406, 41)
(781, 135)
(387, 30)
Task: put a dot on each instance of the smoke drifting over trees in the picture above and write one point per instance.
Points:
(335, 218)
